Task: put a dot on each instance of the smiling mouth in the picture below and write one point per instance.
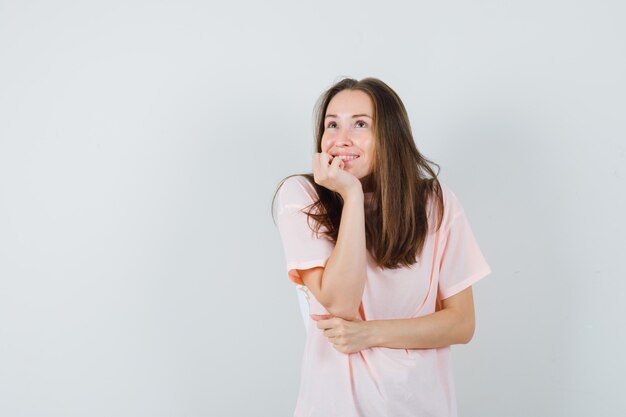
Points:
(347, 157)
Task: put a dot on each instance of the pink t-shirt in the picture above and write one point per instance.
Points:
(380, 382)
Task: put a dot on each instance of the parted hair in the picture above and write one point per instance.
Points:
(402, 181)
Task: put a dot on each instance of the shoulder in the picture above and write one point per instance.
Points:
(451, 204)
(296, 190)
(450, 200)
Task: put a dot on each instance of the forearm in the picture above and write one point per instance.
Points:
(343, 281)
(442, 328)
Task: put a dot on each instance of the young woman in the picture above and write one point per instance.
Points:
(387, 257)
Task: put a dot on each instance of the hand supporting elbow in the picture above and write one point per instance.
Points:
(343, 311)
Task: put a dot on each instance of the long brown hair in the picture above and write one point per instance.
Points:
(396, 223)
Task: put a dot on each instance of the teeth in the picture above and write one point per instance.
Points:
(344, 157)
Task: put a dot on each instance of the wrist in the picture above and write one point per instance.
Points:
(372, 333)
(354, 193)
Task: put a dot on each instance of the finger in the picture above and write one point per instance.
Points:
(317, 317)
(336, 163)
(325, 324)
(330, 334)
(324, 158)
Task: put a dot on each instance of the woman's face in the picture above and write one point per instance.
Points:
(348, 131)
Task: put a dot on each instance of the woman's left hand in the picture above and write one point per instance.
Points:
(346, 336)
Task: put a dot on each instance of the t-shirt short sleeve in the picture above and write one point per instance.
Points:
(462, 262)
(303, 248)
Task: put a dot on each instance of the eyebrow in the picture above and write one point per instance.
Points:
(356, 115)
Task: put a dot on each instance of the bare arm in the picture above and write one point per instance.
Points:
(339, 286)
(454, 324)
(344, 276)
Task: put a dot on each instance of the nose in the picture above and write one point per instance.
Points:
(343, 138)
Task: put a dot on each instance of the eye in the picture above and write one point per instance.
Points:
(331, 123)
(361, 121)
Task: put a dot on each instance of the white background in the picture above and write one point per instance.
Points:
(141, 273)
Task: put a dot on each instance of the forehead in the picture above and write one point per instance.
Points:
(350, 102)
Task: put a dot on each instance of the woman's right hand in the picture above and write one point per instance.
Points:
(331, 174)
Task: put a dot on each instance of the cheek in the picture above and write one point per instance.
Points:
(324, 144)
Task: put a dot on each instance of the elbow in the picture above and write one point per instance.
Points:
(462, 328)
(345, 307)
(468, 333)
(349, 314)
(467, 338)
